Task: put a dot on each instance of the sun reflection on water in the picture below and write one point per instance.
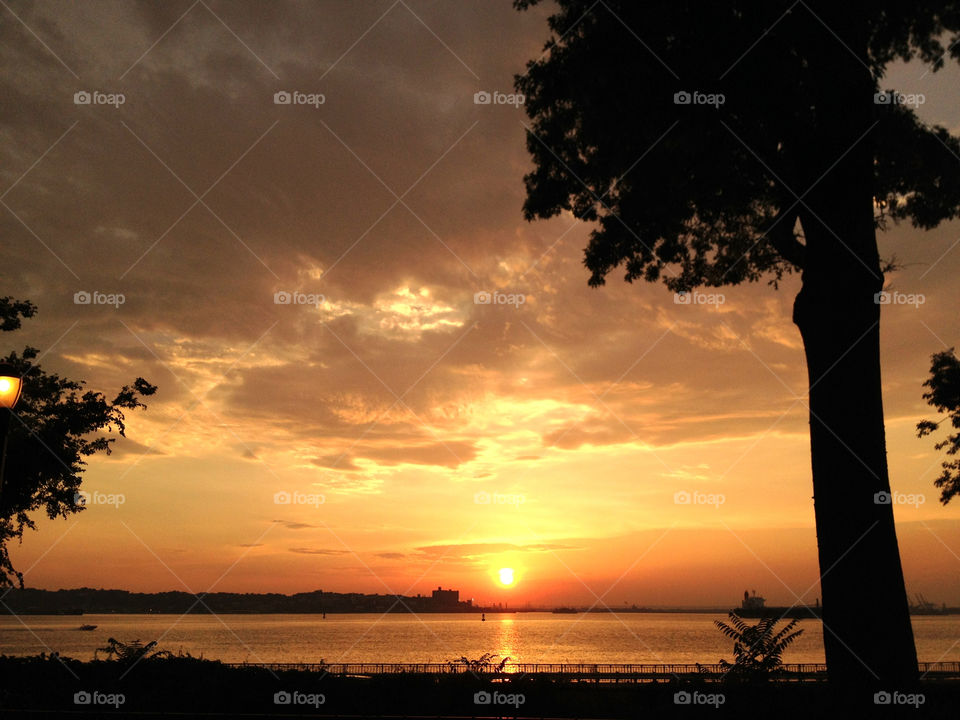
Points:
(506, 640)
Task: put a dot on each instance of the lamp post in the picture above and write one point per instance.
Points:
(10, 386)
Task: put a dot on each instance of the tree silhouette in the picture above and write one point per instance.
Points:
(52, 430)
(944, 395)
(732, 141)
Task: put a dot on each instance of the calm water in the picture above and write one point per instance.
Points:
(525, 637)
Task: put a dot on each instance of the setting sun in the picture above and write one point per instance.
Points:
(506, 576)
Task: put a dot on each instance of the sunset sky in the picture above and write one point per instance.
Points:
(394, 405)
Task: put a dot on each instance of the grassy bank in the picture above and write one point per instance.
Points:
(193, 688)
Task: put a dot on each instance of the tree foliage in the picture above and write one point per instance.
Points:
(56, 425)
(944, 395)
(699, 194)
(757, 649)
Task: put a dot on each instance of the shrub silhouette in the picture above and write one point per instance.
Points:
(757, 649)
(131, 652)
(484, 663)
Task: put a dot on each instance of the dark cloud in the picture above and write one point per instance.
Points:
(290, 525)
(338, 462)
(124, 447)
(468, 551)
(448, 454)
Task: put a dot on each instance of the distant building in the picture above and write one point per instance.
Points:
(445, 598)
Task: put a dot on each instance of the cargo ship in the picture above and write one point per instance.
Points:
(754, 606)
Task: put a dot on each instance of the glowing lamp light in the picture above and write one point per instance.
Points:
(10, 386)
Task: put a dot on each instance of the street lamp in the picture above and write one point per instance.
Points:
(11, 383)
(10, 386)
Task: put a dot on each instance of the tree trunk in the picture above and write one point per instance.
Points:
(867, 635)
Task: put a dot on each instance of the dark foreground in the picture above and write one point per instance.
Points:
(191, 688)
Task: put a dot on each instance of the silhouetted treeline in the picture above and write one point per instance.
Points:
(88, 600)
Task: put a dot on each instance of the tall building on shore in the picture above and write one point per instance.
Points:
(446, 598)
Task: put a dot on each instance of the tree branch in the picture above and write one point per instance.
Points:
(784, 241)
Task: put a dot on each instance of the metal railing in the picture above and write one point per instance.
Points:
(612, 671)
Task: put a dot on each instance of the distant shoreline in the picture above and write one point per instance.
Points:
(89, 601)
(477, 611)
(518, 611)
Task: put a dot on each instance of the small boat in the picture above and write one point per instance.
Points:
(564, 611)
(483, 617)
(87, 627)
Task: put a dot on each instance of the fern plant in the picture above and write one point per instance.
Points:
(757, 649)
